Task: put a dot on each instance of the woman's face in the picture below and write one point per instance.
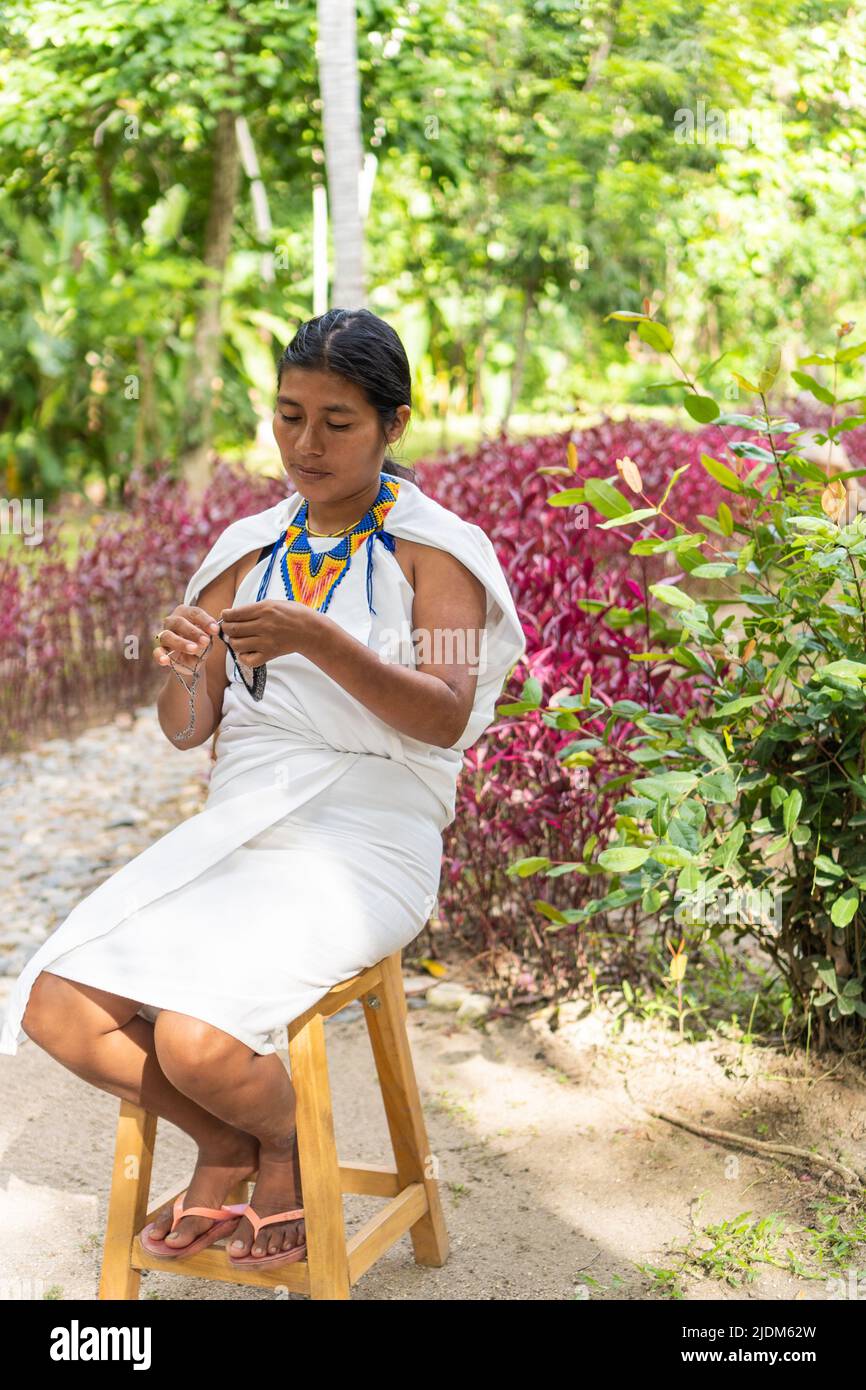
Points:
(325, 424)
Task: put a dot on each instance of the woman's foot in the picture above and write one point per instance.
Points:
(278, 1188)
(218, 1167)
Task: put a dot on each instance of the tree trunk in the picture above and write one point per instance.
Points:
(519, 355)
(198, 416)
(337, 55)
(147, 431)
(478, 370)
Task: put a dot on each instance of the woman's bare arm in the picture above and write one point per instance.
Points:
(433, 702)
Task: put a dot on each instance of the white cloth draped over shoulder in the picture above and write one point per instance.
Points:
(279, 754)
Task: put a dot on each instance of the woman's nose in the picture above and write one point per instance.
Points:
(307, 442)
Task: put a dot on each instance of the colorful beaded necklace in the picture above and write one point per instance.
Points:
(311, 578)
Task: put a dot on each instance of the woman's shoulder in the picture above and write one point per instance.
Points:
(242, 567)
(238, 547)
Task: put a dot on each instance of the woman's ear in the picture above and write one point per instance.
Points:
(398, 425)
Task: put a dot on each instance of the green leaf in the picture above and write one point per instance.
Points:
(636, 806)
(684, 835)
(605, 498)
(524, 867)
(734, 706)
(628, 518)
(567, 498)
(793, 807)
(672, 856)
(770, 371)
(825, 865)
(717, 786)
(744, 421)
(666, 784)
(672, 479)
(721, 473)
(657, 335)
(552, 913)
(668, 593)
(621, 859)
(714, 569)
(843, 908)
(730, 846)
(849, 672)
(701, 408)
(710, 747)
(814, 387)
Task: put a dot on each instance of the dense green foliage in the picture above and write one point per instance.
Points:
(746, 813)
(539, 165)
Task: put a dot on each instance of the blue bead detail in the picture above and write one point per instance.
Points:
(266, 577)
(300, 546)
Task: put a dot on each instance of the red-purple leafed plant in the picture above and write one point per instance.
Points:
(516, 797)
(76, 642)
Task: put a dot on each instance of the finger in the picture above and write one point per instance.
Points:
(169, 660)
(243, 613)
(243, 646)
(192, 622)
(241, 629)
(182, 635)
(205, 620)
(176, 646)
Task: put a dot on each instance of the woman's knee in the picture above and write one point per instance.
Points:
(46, 1014)
(59, 1011)
(190, 1048)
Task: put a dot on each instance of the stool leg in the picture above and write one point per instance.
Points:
(327, 1258)
(127, 1200)
(389, 1039)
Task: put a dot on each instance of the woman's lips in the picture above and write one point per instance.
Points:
(311, 472)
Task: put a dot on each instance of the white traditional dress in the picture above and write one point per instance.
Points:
(319, 847)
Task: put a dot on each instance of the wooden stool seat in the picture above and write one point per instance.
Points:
(333, 1263)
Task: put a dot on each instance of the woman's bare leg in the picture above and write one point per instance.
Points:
(102, 1038)
(253, 1093)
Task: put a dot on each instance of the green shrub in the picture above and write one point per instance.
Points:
(747, 813)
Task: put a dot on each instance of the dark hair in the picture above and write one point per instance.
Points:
(357, 345)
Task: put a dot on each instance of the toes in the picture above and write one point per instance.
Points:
(161, 1225)
(275, 1241)
(185, 1231)
(294, 1235)
(241, 1241)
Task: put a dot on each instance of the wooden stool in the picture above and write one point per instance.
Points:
(333, 1264)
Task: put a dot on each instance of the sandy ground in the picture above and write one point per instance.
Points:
(555, 1183)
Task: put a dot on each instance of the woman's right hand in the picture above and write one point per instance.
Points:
(185, 634)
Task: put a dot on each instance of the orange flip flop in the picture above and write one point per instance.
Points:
(279, 1256)
(225, 1220)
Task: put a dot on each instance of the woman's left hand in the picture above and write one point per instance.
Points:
(273, 627)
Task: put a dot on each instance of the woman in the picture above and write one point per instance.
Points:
(385, 630)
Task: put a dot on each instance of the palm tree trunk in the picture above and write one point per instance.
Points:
(204, 362)
(337, 54)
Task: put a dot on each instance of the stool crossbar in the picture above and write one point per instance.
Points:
(333, 1264)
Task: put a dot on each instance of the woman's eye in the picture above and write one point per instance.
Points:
(292, 419)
